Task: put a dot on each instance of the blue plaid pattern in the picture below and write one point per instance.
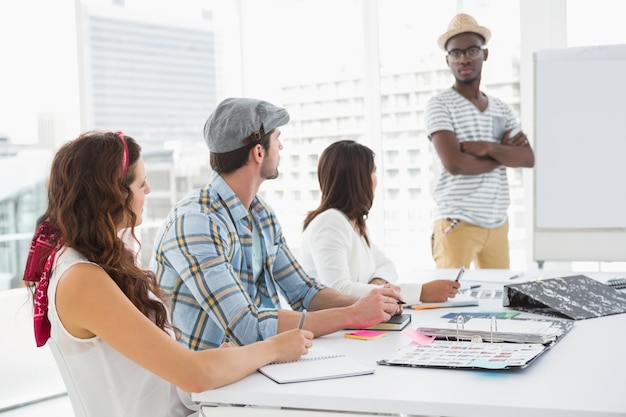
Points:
(203, 258)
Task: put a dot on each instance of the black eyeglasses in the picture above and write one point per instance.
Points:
(473, 52)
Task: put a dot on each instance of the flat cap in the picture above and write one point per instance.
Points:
(235, 119)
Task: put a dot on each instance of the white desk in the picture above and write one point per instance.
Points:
(582, 375)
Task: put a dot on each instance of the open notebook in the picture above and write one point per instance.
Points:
(319, 363)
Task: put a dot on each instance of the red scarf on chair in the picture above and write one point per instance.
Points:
(45, 240)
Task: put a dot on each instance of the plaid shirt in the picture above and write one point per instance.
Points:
(203, 259)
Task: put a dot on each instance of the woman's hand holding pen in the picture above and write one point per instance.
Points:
(439, 290)
(291, 345)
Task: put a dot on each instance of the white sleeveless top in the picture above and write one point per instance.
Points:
(100, 381)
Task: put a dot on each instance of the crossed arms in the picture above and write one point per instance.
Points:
(479, 157)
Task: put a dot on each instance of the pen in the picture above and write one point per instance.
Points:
(452, 225)
(422, 307)
(302, 318)
(516, 275)
(473, 287)
(460, 274)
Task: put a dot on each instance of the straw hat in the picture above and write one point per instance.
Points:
(462, 23)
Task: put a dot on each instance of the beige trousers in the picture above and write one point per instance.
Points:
(464, 243)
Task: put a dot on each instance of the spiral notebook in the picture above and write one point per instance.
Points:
(319, 363)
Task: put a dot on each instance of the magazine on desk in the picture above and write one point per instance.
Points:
(514, 330)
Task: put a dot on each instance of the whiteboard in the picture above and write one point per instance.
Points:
(580, 148)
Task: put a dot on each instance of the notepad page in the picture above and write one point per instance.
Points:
(315, 353)
(320, 363)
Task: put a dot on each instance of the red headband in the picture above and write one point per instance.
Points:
(125, 160)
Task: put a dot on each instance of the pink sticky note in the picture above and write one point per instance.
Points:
(417, 337)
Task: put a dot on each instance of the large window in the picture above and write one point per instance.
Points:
(358, 69)
(373, 66)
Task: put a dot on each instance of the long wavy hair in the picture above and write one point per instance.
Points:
(87, 201)
(344, 172)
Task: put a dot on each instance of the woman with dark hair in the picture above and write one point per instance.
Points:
(105, 318)
(336, 247)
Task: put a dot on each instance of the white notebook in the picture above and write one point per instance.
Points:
(461, 300)
(319, 363)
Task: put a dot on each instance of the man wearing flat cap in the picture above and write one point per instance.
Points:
(221, 254)
(476, 137)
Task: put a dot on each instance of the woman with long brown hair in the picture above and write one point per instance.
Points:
(105, 318)
(336, 246)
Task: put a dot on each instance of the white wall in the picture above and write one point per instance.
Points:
(27, 373)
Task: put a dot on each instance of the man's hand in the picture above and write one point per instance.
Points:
(520, 139)
(376, 306)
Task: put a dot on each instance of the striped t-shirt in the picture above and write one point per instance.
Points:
(481, 199)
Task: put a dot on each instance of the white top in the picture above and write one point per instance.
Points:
(336, 254)
(100, 381)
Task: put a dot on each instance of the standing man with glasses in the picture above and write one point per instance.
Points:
(476, 137)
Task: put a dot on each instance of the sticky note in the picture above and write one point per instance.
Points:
(417, 337)
(365, 335)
